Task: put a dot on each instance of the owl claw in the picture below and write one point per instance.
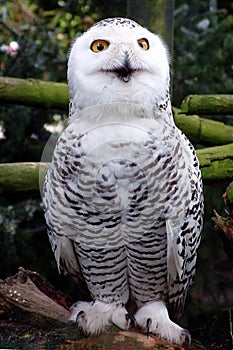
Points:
(94, 317)
(132, 319)
(187, 337)
(80, 314)
(153, 317)
(148, 324)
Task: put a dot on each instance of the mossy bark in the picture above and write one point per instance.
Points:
(208, 104)
(203, 131)
(43, 94)
(216, 164)
(18, 177)
(32, 92)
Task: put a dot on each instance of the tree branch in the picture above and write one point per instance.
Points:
(208, 104)
(43, 94)
(31, 92)
(216, 164)
(18, 177)
(203, 131)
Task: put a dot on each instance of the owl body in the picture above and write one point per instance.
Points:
(123, 195)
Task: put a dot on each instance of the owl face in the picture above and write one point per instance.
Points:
(117, 60)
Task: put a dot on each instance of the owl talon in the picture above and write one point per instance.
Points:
(94, 317)
(153, 317)
(80, 314)
(187, 336)
(130, 317)
(148, 324)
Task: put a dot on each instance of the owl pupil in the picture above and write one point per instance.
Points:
(141, 45)
(100, 47)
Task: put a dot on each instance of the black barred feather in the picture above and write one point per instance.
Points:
(116, 212)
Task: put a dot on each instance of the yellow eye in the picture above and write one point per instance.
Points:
(144, 44)
(99, 45)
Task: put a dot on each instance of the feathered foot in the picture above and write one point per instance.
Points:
(153, 317)
(94, 317)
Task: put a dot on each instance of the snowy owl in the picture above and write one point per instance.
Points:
(123, 195)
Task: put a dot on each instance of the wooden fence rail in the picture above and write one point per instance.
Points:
(216, 162)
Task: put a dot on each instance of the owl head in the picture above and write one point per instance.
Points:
(117, 60)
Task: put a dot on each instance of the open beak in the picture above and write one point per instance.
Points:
(124, 71)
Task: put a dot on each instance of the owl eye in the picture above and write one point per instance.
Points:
(99, 45)
(144, 44)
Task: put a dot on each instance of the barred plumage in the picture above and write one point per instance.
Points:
(123, 196)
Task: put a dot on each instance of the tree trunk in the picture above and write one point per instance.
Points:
(156, 15)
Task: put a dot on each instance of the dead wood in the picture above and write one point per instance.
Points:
(33, 313)
(27, 293)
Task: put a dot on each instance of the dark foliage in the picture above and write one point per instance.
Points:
(203, 49)
(44, 31)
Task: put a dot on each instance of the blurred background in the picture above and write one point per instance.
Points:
(35, 37)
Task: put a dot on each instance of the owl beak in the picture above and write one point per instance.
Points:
(124, 73)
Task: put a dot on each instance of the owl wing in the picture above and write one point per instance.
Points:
(58, 215)
(66, 259)
(183, 238)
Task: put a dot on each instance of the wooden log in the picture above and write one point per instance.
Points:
(32, 92)
(21, 292)
(208, 104)
(203, 131)
(43, 94)
(22, 176)
(216, 165)
(35, 315)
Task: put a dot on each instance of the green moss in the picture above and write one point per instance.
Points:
(32, 92)
(203, 131)
(21, 176)
(216, 162)
(208, 104)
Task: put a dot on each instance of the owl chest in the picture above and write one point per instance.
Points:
(119, 179)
